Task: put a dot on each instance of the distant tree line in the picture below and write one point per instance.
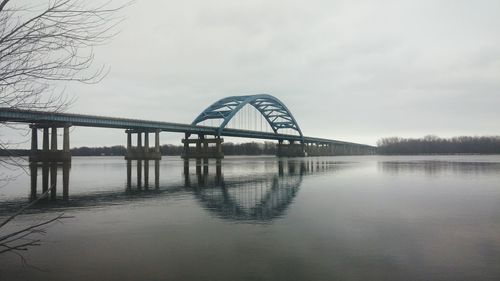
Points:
(437, 145)
(249, 148)
(387, 146)
(117, 150)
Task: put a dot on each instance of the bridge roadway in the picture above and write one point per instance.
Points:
(31, 116)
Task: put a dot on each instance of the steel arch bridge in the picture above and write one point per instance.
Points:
(277, 115)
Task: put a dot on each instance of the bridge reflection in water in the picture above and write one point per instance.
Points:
(253, 197)
(139, 166)
(49, 172)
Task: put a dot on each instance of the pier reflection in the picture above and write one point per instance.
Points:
(49, 179)
(139, 183)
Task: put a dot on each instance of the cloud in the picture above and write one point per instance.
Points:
(351, 70)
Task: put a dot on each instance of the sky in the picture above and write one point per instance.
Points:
(348, 70)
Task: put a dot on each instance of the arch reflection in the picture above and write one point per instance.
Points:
(254, 198)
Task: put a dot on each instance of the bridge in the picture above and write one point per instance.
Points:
(206, 143)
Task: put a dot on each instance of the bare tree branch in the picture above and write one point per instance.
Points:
(21, 239)
(40, 46)
(52, 44)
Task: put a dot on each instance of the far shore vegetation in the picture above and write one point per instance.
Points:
(249, 148)
(437, 145)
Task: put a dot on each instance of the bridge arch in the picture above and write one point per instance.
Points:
(277, 115)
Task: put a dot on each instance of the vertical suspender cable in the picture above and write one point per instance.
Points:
(261, 117)
(254, 121)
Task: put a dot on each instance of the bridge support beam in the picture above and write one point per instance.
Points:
(141, 151)
(49, 151)
(329, 149)
(341, 149)
(312, 149)
(290, 149)
(202, 148)
(338, 149)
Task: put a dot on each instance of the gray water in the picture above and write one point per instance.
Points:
(261, 218)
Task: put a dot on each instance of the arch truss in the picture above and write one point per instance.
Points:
(277, 115)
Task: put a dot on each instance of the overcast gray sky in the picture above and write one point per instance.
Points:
(348, 70)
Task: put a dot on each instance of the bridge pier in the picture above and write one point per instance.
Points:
(290, 149)
(337, 149)
(203, 149)
(331, 149)
(351, 150)
(322, 149)
(343, 150)
(312, 149)
(52, 154)
(49, 158)
(142, 151)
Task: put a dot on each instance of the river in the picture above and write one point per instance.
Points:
(262, 218)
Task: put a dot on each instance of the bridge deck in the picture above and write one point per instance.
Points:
(31, 116)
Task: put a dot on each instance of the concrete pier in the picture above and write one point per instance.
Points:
(204, 148)
(296, 149)
(49, 151)
(334, 149)
(290, 149)
(201, 149)
(49, 159)
(142, 151)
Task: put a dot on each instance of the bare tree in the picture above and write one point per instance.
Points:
(41, 45)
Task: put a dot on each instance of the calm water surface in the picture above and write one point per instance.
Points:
(327, 218)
